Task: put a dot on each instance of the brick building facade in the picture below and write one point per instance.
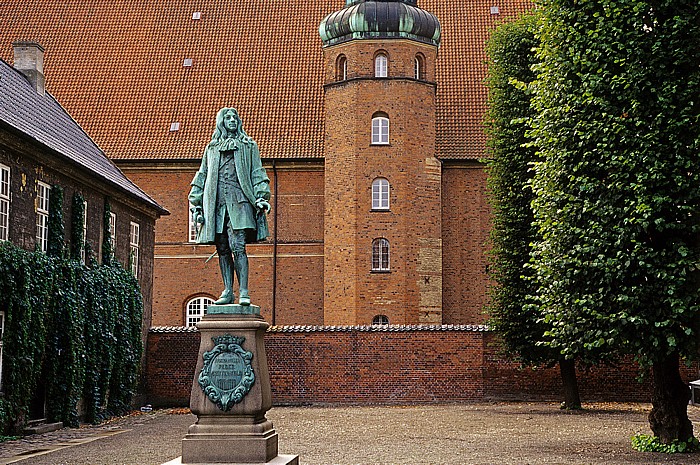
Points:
(152, 76)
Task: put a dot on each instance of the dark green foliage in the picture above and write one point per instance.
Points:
(26, 284)
(107, 252)
(77, 241)
(617, 190)
(646, 443)
(82, 324)
(56, 240)
(511, 54)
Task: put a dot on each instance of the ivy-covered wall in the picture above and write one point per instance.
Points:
(74, 327)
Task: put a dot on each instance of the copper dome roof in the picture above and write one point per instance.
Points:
(380, 19)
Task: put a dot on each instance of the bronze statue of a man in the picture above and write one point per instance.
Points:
(229, 198)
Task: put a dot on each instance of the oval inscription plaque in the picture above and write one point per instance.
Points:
(226, 371)
(227, 374)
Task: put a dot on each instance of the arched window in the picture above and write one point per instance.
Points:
(380, 194)
(380, 129)
(380, 255)
(196, 309)
(380, 320)
(341, 68)
(380, 65)
(419, 67)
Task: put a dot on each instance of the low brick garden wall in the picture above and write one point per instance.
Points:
(386, 365)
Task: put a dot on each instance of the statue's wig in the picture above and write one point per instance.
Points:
(221, 133)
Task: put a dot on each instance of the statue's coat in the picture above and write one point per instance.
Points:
(255, 186)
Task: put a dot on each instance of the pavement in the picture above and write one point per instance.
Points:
(497, 433)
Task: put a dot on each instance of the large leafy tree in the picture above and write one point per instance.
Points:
(617, 190)
(511, 57)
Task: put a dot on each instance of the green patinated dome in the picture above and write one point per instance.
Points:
(380, 19)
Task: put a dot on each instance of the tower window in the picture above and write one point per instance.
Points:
(380, 194)
(196, 308)
(380, 255)
(380, 320)
(380, 65)
(341, 68)
(419, 67)
(380, 130)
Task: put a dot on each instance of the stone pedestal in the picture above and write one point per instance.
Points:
(231, 427)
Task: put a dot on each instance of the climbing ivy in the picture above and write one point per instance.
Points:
(107, 244)
(57, 233)
(77, 326)
(77, 241)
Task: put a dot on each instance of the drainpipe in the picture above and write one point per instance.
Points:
(274, 248)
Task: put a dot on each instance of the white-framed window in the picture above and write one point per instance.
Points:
(380, 255)
(419, 67)
(113, 232)
(4, 203)
(82, 246)
(2, 336)
(134, 247)
(341, 69)
(42, 215)
(380, 65)
(196, 308)
(380, 130)
(380, 320)
(193, 226)
(380, 194)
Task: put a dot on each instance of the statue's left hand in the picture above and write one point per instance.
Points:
(263, 204)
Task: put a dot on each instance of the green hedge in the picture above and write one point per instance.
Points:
(76, 327)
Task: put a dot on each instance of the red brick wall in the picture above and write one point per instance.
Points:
(366, 365)
(465, 233)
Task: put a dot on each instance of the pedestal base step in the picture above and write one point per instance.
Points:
(279, 460)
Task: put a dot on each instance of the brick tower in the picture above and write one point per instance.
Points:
(382, 226)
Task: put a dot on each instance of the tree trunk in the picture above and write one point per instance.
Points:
(572, 400)
(669, 414)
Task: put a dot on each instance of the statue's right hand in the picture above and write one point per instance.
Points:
(197, 215)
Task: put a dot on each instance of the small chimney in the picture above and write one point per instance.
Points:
(29, 60)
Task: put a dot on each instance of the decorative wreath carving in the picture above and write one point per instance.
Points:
(227, 374)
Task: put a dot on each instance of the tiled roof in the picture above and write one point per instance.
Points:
(342, 329)
(41, 117)
(117, 67)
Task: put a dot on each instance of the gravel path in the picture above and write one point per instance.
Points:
(512, 433)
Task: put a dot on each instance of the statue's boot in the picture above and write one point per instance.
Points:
(226, 265)
(241, 259)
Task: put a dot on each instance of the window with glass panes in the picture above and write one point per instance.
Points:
(380, 194)
(113, 231)
(196, 308)
(380, 66)
(193, 226)
(82, 247)
(134, 245)
(42, 215)
(380, 130)
(4, 203)
(380, 255)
